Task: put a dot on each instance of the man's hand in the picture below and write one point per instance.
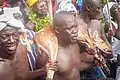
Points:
(51, 65)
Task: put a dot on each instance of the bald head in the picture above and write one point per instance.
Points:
(63, 18)
(65, 27)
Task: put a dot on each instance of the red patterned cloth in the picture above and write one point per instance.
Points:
(5, 4)
(75, 3)
(53, 7)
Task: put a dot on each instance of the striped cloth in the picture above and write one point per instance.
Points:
(32, 52)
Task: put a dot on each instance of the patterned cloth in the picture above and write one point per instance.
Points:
(105, 10)
(65, 5)
(5, 3)
(7, 18)
(32, 52)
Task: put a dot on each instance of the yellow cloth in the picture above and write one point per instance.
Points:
(31, 2)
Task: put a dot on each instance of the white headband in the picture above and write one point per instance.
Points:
(8, 19)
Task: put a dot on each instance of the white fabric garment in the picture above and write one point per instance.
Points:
(105, 10)
(115, 24)
(65, 5)
(7, 18)
(10, 11)
(106, 14)
(116, 46)
(115, 41)
(2, 25)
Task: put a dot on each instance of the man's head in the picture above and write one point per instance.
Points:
(9, 38)
(10, 26)
(93, 9)
(41, 7)
(115, 12)
(66, 26)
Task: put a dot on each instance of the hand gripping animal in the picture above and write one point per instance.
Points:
(48, 42)
(97, 44)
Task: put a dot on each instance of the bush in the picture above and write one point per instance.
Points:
(38, 20)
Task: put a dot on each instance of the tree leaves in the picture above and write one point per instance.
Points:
(39, 21)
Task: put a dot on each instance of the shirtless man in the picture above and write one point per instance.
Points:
(68, 57)
(92, 9)
(13, 58)
(92, 13)
(13, 64)
(92, 16)
(70, 60)
(68, 49)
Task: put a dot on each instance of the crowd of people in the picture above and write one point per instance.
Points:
(84, 35)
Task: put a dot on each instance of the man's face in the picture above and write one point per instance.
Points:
(9, 39)
(95, 10)
(69, 31)
(42, 7)
(115, 12)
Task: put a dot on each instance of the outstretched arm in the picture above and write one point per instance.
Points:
(43, 64)
(41, 60)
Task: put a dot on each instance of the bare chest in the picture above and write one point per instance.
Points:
(7, 70)
(68, 59)
(12, 69)
(21, 67)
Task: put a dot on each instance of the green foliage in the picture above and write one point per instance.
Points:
(38, 20)
(104, 2)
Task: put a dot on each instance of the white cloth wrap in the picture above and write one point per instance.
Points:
(7, 18)
(105, 10)
(65, 5)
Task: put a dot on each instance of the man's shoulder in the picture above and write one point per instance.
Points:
(21, 46)
(21, 49)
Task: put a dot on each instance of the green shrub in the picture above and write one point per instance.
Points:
(38, 20)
